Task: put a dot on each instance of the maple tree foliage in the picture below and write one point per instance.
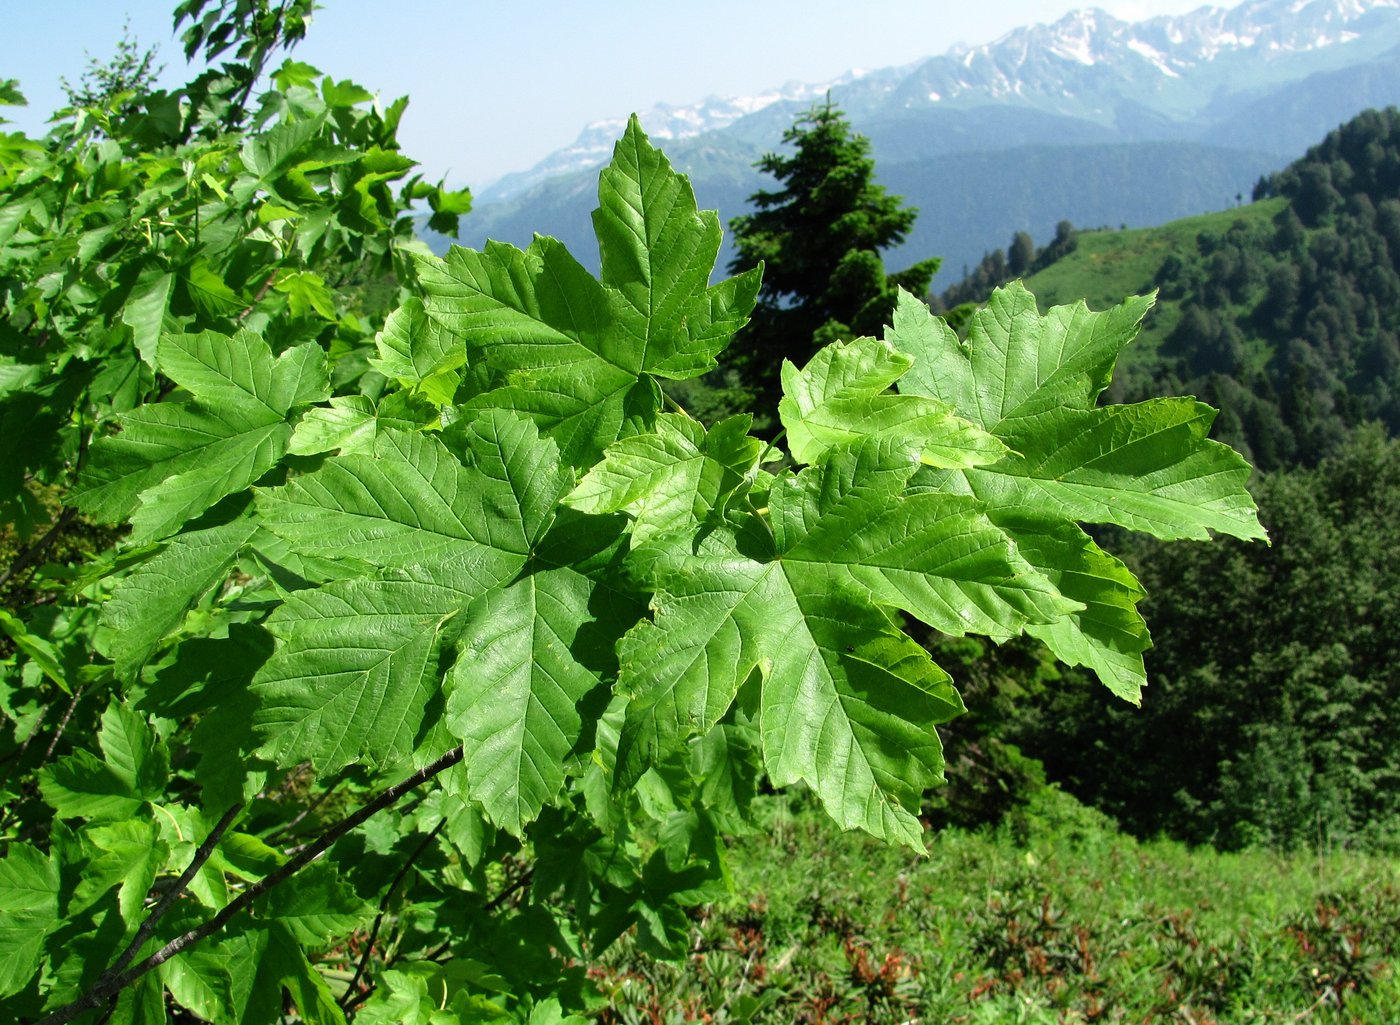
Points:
(435, 651)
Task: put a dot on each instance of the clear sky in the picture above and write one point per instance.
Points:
(496, 85)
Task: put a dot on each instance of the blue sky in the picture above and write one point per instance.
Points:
(496, 86)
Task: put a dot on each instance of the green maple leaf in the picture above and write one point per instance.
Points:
(353, 671)
(131, 855)
(199, 980)
(351, 423)
(667, 479)
(354, 668)
(175, 459)
(580, 354)
(1032, 381)
(152, 600)
(531, 652)
(29, 889)
(466, 544)
(420, 353)
(848, 701)
(315, 905)
(842, 396)
(133, 770)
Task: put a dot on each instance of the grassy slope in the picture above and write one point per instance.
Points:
(1108, 265)
(1055, 918)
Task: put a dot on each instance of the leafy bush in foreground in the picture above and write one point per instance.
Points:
(479, 549)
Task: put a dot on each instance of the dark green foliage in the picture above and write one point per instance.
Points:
(1020, 254)
(975, 287)
(1292, 325)
(819, 238)
(1360, 158)
(1271, 714)
(989, 775)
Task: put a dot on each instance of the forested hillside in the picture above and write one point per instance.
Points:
(1271, 715)
(1285, 313)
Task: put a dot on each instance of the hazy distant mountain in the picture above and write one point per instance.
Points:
(1046, 123)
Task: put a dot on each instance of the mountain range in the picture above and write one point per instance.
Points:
(1090, 119)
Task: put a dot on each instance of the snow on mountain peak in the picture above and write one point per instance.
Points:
(1084, 64)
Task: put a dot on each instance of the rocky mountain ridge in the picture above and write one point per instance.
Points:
(1165, 77)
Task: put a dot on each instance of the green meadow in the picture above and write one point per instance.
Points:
(1052, 917)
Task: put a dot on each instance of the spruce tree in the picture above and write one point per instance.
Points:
(819, 237)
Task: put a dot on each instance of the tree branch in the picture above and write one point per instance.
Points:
(62, 725)
(349, 999)
(35, 551)
(114, 979)
(104, 988)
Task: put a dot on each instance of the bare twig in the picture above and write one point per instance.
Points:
(312, 805)
(266, 285)
(505, 895)
(436, 954)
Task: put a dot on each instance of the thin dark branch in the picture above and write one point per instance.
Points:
(349, 999)
(112, 980)
(201, 855)
(490, 906)
(510, 891)
(18, 755)
(62, 725)
(84, 438)
(271, 279)
(439, 954)
(238, 109)
(311, 806)
(107, 1014)
(34, 552)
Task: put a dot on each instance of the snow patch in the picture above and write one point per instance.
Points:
(1076, 48)
(1153, 56)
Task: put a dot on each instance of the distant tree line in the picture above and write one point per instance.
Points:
(1293, 328)
(1018, 260)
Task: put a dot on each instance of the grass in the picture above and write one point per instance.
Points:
(1052, 918)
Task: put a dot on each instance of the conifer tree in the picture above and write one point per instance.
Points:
(819, 237)
(1020, 255)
